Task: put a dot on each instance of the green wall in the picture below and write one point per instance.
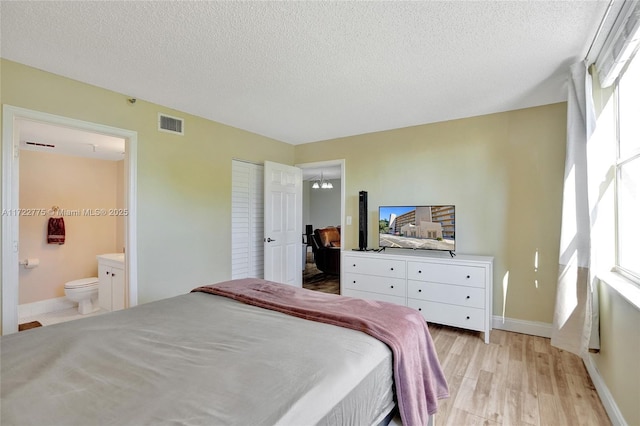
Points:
(504, 173)
(184, 182)
(617, 360)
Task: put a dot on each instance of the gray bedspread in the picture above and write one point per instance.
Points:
(196, 359)
(418, 376)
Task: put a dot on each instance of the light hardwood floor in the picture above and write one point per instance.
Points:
(516, 379)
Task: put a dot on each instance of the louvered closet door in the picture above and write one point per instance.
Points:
(247, 213)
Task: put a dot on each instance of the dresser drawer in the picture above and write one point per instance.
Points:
(447, 293)
(446, 273)
(457, 316)
(384, 285)
(372, 266)
(374, 296)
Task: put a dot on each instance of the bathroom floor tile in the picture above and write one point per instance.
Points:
(60, 316)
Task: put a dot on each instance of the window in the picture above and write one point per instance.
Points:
(628, 172)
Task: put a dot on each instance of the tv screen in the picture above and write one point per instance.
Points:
(418, 227)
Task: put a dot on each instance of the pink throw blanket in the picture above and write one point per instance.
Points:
(418, 376)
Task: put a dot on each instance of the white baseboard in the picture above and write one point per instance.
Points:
(533, 328)
(27, 310)
(607, 399)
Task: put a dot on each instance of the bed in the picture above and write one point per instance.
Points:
(211, 357)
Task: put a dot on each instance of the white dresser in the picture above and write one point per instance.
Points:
(455, 291)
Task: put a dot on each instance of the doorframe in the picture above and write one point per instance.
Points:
(332, 163)
(10, 202)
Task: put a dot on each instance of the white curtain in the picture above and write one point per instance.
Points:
(574, 310)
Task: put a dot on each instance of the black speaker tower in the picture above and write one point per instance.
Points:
(362, 221)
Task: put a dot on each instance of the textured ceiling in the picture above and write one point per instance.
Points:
(303, 71)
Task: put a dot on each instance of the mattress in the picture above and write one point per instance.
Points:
(195, 359)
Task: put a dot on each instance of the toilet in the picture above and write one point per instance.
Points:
(84, 291)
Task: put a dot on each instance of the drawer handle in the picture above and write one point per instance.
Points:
(354, 281)
(468, 317)
(419, 272)
(419, 309)
(468, 276)
(354, 265)
(468, 297)
(391, 286)
(392, 269)
(419, 290)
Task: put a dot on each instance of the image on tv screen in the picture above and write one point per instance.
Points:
(418, 227)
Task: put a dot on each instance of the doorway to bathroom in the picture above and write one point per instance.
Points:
(48, 163)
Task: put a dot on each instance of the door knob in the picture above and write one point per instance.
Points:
(269, 240)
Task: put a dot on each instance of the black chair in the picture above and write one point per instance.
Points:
(325, 243)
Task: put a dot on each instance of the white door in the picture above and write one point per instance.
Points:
(282, 223)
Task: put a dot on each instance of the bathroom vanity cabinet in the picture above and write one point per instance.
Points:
(111, 288)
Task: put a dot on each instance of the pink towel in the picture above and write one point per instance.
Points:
(55, 231)
(418, 376)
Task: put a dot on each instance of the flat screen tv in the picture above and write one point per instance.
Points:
(418, 227)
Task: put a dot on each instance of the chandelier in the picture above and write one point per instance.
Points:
(322, 184)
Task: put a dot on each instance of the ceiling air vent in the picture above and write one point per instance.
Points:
(166, 123)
